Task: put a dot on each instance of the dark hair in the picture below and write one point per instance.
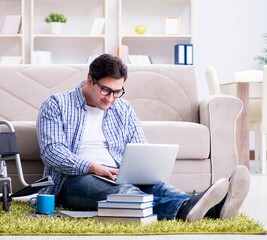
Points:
(107, 65)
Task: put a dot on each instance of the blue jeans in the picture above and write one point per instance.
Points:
(83, 192)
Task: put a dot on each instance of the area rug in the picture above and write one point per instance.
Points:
(18, 222)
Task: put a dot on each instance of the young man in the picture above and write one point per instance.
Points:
(85, 131)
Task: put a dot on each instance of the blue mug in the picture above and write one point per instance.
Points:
(43, 203)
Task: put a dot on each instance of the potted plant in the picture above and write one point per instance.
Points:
(56, 20)
(263, 58)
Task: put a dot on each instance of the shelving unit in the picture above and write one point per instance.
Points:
(75, 44)
(12, 45)
(153, 13)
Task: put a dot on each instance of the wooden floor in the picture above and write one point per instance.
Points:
(255, 206)
(256, 202)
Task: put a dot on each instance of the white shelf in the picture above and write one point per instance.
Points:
(68, 36)
(69, 50)
(75, 44)
(11, 36)
(153, 13)
(12, 45)
(184, 37)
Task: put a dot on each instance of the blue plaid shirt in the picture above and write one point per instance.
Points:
(60, 126)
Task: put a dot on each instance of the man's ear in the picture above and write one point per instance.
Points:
(90, 80)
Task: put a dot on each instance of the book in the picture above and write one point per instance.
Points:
(76, 214)
(10, 60)
(189, 54)
(34, 187)
(133, 205)
(124, 54)
(179, 54)
(41, 57)
(139, 59)
(183, 54)
(11, 24)
(127, 220)
(124, 212)
(130, 197)
(97, 26)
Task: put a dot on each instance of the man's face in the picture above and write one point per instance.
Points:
(95, 93)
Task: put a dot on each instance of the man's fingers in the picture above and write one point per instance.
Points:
(110, 175)
(114, 171)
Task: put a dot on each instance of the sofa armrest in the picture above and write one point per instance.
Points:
(220, 113)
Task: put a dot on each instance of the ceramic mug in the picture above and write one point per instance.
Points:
(43, 203)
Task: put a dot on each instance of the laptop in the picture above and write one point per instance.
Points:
(146, 164)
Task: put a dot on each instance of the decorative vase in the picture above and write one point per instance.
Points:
(55, 27)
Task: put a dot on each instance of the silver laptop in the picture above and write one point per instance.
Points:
(146, 164)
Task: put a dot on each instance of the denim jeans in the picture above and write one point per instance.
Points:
(83, 192)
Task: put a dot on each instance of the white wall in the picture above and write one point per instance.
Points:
(228, 35)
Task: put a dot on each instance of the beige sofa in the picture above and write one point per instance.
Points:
(165, 99)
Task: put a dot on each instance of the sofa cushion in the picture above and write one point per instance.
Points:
(188, 135)
(27, 140)
(193, 138)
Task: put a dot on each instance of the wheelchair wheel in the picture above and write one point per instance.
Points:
(6, 192)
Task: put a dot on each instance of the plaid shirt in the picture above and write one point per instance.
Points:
(60, 126)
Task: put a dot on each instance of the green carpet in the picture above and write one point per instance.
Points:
(16, 222)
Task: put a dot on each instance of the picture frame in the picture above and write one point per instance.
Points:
(172, 25)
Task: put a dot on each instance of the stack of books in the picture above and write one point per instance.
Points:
(126, 208)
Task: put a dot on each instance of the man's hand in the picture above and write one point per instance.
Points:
(100, 170)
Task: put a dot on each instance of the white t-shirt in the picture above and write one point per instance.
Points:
(94, 146)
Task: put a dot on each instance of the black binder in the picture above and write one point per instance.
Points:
(34, 187)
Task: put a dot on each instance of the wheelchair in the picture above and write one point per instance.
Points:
(9, 151)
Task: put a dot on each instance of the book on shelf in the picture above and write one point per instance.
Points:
(11, 24)
(41, 57)
(124, 212)
(183, 54)
(141, 220)
(139, 59)
(97, 26)
(130, 197)
(124, 53)
(11, 60)
(133, 205)
(76, 214)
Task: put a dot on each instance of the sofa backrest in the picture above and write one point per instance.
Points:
(157, 92)
(24, 87)
(163, 92)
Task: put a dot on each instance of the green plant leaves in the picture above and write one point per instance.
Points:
(56, 17)
(262, 59)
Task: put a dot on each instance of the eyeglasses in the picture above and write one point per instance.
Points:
(105, 91)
